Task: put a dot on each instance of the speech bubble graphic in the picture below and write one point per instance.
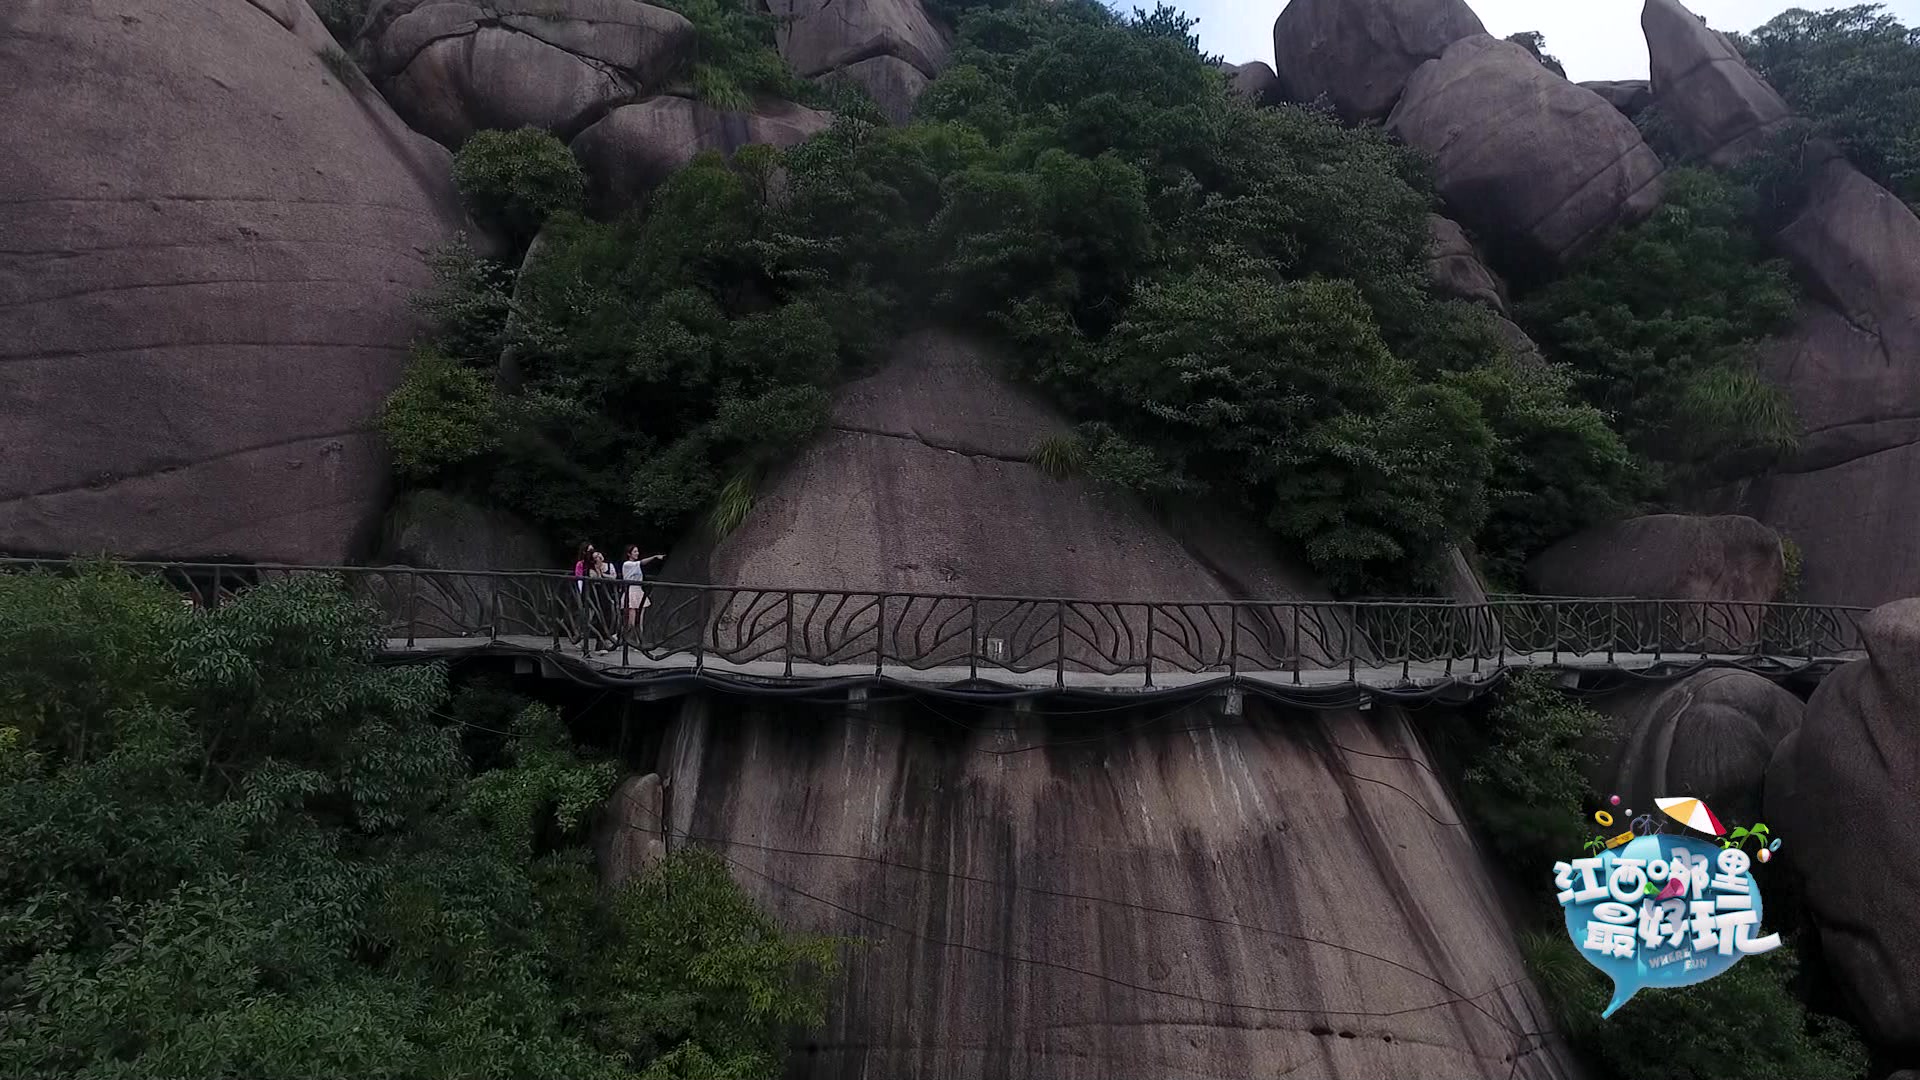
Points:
(1638, 940)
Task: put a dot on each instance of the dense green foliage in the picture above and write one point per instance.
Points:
(1232, 301)
(1526, 784)
(1743, 1025)
(233, 845)
(513, 181)
(1855, 72)
(1661, 323)
(734, 54)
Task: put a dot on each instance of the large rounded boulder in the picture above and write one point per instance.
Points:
(213, 228)
(1536, 166)
(1709, 735)
(635, 148)
(1721, 110)
(1840, 794)
(1360, 53)
(1847, 495)
(1667, 557)
(454, 67)
(891, 48)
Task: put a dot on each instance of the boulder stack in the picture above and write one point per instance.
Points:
(454, 67)
(1537, 167)
(1360, 53)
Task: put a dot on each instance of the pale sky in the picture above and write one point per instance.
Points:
(1594, 39)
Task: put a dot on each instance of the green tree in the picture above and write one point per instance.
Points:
(1526, 782)
(1536, 43)
(513, 181)
(735, 56)
(1742, 1025)
(1079, 181)
(232, 843)
(1855, 71)
(1661, 324)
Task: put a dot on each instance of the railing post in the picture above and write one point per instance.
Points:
(214, 600)
(1060, 644)
(789, 625)
(1149, 645)
(880, 638)
(1297, 650)
(1406, 641)
(556, 625)
(493, 625)
(626, 639)
(1554, 606)
(1233, 640)
(413, 605)
(973, 638)
(1353, 627)
(1613, 630)
(1659, 628)
(700, 632)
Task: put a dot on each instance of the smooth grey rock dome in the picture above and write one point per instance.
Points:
(211, 244)
(1536, 166)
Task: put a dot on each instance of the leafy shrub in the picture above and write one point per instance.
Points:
(237, 845)
(513, 181)
(442, 415)
(1557, 466)
(734, 54)
(1526, 783)
(1743, 1025)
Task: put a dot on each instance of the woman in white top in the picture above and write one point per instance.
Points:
(634, 570)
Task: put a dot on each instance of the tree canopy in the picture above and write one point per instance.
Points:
(1855, 72)
(231, 844)
(1084, 183)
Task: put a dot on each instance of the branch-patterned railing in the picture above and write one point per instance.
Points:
(803, 630)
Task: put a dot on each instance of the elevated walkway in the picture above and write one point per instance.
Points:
(1313, 653)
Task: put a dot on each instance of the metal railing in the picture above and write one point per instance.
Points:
(777, 631)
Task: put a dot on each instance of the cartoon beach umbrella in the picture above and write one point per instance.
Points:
(1692, 813)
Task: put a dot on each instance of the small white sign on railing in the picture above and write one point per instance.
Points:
(996, 650)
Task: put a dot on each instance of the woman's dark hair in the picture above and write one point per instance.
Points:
(633, 550)
(586, 549)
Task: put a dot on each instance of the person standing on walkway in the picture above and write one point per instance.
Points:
(581, 564)
(634, 570)
(602, 601)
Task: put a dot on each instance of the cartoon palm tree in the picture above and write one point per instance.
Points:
(1598, 843)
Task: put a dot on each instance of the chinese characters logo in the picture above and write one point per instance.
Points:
(1665, 910)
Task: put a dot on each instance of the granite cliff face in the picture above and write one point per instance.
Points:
(1167, 893)
(1171, 895)
(211, 240)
